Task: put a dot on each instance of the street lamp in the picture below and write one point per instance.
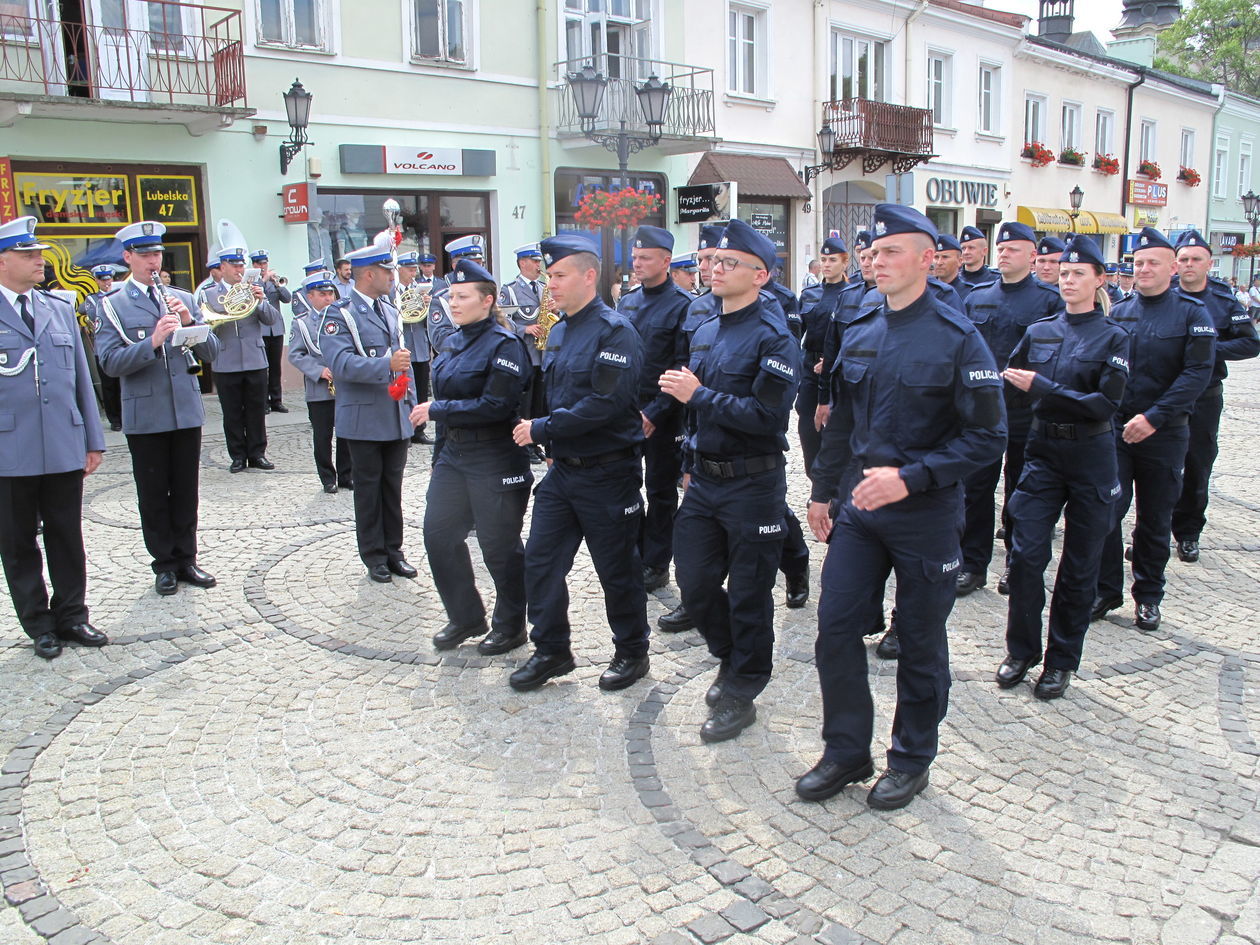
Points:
(1075, 197)
(826, 148)
(297, 108)
(1251, 210)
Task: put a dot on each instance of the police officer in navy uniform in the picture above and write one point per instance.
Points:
(1235, 341)
(306, 354)
(594, 433)
(90, 309)
(1046, 266)
(363, 344)
(948, 267)
(787, 299)
(415, 336)
(439, 321)
(738, 388)
(916, 408)
(240, 370)
(1075, 366)
(1003, 311)
(1114, 292)
(301, 304)
(50, 438)
(522, 297)
(974, 249)
(1174, 354)
(481, 478)
(656, 307)
(819, 304)
(273, 333)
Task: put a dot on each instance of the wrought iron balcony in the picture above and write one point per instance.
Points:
(688, 119)
(159, 52)
(878, 133)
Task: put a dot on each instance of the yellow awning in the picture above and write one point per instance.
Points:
(1045, 219)
(1085, 222)
(1108, 222)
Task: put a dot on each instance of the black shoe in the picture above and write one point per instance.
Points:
(655, 578)
(116, 426)
(346, 484)
(1000, 534)
(262, 462)
(896, 789)
(1052, 684)
(238, 465)
(828, 778)
(380, 573)
(889, 647)
(539, 668)
(191, 574)
(676, 621)
(1004, 582)
(729, 717)
(623, 671)
(797, 591)
(714, 695)
(1147, 617)
(452, 636)
(1012, 671)
(1104, 606)
(967, 582)
(1128, 552)
(47, 646)
(279, 408)
(1188, 550)
(330, 488)
(84, 634)
(165, 583)
(402, 568)
(501, 641)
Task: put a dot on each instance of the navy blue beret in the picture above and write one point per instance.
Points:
(1050, 246)
(1009, 232)
(742, 238)
(862, 239)
(1081, 249)
(653, 237)
(711, 235)
(946, 243)
(892, 219)
(556, 247)
(1151, 238)
(1192, 238)
(970, 233)
(833, 245)
(468, 270)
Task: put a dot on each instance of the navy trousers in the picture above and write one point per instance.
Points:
(1190, 512)
(330, 471)
(981, 486)
(662, 465)
(806, 407)
(378, 467)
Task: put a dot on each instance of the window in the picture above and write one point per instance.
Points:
(1034, 119)
(988, 120)
(1244, 170)
(745, 50)
(940, 65)
(610, 32)
(1104, 132)
(1220, 168)
(1071, 127)
(440, 31)
(293, 23)
(1146, 141)
(1187, 147)
(858, 68)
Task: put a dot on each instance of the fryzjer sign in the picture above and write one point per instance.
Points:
(704, 203)
(1148, 193)
(72, 200)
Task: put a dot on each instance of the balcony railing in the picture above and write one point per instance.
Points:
(879, 132)
(690, 112)
(178, 54)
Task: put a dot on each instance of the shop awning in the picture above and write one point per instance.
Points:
(756, 175)
(1101, 222)
(1085, 223)
(1045, 219)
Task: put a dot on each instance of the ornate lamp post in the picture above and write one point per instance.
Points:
(297, 108)
(1251, 210)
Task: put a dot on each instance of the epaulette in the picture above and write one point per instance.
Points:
(54, 298)
(340, 303)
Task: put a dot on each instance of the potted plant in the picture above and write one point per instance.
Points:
(621, 208)
(1188, 175)
(1072, 156)
(1038, 153)
(1106, 164)
(1149, 169)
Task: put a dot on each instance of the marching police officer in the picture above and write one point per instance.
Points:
(363, 344)
(273, 332)
(819, 304)
(522, 297)
(787, 299)
(1002, 312)
(974, 249)
(916, 408)
(240, 371)
(161, 400)
(481, 479)
(1046, 265)
(1075, 366)
(51, 440)
(439, 321)
(1235, 341)
(415, 337)
(656, 307)
(738, 388)
(1174, 354)
(302, 305)
(1114, 292)
(90, 310)
(949, 265)
(305, 353)
(593, 431)
(682, 270)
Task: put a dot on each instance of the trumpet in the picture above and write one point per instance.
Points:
(546, 318)
(414, 302)
(160, 287)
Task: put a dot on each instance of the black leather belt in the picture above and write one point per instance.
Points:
(1071, 431)
(717, 468)
(476, 434)
(599, 459)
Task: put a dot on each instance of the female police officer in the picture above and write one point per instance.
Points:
(1076, 365)
(480, 478)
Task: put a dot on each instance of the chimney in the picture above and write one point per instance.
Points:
(1055, 20)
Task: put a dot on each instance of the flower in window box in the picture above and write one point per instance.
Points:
(1106, 164)
(1038, 153)
(1072, 156)
(1188, 175)
(1149, 169)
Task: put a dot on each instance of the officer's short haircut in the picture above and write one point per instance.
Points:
(924, 241)
(585, 262)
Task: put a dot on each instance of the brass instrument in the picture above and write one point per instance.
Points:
(414, 302)
(238, 302)
(546, 318)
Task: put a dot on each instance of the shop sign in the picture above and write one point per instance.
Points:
(1148, 193)
(8, 200)
(424, 160)
(1223, 243)
(296, 205)
(168, 198)
(73, 200)
(761, 221)
(944, 190)
(1143, 218)
(706, 203)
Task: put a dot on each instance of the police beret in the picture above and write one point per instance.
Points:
(946, 242)
(742, 238)
(1081, 249)
(1050, 246)
(833, 245)
(1192, 238)
(862, 239)
(468, 270)
(711, 235)
(1010, 232)
(555, 248)
(1151, 238)
(970, 233)
(654, 237)
(892, 219)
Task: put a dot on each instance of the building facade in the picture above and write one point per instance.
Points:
(1231, 174)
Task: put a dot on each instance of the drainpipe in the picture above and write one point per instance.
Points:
(910, 18)
(544, 123)
(1128, 138)
(822, 34)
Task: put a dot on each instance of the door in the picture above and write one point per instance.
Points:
(120, 63)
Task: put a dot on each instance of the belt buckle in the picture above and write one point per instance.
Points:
(711, 468)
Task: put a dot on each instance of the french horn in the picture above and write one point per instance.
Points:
(414, 302)
(238, 301)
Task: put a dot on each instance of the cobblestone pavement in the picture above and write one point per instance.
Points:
(284, 759)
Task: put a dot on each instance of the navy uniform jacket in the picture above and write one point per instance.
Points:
(847, 308)
(917, 389)
(415, 334)
(704, 307)
(1082, 365)
(1174, 352)
(819, 304)
(981, 276)
(1002, 312)
(158, 393)
(961, 286)
(749, 366)
(520, 293)
(365, 411)
(790, 304)
(1236, 338)
(1115, 293)
(48, 418)
(276, 293)
(591, 372)
(479, 378)
(657, 315)
(240, 342)
(306, 354)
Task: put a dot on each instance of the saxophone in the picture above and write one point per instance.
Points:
(413, 302)
(546, 318)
